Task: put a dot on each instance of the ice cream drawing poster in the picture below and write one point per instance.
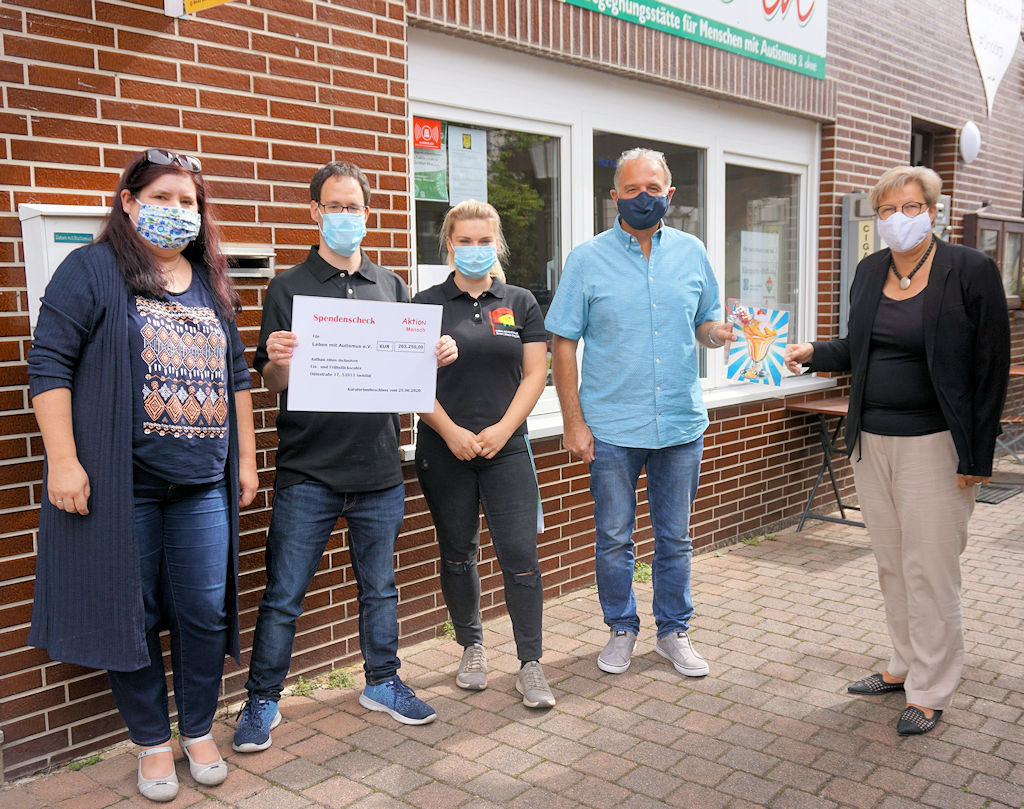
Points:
(761, 334)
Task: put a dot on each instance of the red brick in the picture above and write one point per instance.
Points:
(296, 8)
(359, 81)
(14, 124)
(132, 64)
(344, 18)
(243, 147)
(64, 29)
(63, 103)
(278, 130)
(301, 31)
(51, 152)
(224, 189)
(67, 129)
(215, 77)
(169, 48)
(159, 92)
(299, 112)
(229, 36)
(206, 121)
(15, 175)
(236, 60)
(134, 17)
(75, 178)
(343, 58)
(283, 46)
(139, 137)
(138, 113)
(315, 155)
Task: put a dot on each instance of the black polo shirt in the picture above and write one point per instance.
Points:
(478, 387)
(348, 452)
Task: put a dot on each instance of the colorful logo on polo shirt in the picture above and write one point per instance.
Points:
(503, 322)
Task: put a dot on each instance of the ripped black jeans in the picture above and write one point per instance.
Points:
(506, 487)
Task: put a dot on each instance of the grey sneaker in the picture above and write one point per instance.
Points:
(534, 687)
(472, 669)
(677, 649)
(614, 658)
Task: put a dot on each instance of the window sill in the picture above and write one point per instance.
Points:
(549, 425)
(743, 392)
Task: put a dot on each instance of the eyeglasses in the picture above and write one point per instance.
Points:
(330, 207)
(908, 209)
(162, 157)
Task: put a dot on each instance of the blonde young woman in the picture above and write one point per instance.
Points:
(929, 350)
(472, 449)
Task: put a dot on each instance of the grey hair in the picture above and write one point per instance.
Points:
(640, 153)
(895, 178)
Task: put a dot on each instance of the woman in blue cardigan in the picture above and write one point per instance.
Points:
(929, 349)
(140, 388)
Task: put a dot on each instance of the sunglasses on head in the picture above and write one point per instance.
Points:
(163, 157)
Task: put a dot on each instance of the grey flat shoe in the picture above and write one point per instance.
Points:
(209, 775)
(161, 789)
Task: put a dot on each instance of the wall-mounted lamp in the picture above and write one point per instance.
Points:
(970, 141)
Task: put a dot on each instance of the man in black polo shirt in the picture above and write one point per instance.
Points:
(330, 465)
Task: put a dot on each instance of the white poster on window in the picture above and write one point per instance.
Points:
(467, 164)
(759, 267)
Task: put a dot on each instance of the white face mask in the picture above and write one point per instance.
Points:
(902, 232)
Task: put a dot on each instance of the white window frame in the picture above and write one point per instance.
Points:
(468, 81)
(546, 409)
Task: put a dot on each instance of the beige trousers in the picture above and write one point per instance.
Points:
(917, 519)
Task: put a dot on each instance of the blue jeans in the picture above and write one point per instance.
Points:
(300, 525)
(672, 474)
(183, 534)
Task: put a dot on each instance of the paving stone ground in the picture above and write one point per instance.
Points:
(785, 624)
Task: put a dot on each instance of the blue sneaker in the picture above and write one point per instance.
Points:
(259, 717)
(396, 698)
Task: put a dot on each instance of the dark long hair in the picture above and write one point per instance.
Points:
(134, 257)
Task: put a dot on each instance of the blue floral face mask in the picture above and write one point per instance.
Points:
(168, 228)
(343, 232)
(475, 260)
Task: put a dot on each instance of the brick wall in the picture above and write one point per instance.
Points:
(264, 92)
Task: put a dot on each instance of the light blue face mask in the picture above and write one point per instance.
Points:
(343, 232)
(475, 260)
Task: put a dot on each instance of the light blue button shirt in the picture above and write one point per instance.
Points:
(640, 385)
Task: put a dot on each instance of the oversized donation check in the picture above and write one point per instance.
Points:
(363, 356)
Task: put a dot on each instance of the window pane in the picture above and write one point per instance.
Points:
(1011, 264)
(686, 212)
(762, 249)
(521, 181)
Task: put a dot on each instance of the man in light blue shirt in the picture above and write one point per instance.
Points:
(641, 296)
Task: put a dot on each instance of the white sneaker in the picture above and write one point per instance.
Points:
(532, 684)
(677, 649)
(615, 656)
(472, 669)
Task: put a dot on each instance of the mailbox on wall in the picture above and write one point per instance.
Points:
(49, 233)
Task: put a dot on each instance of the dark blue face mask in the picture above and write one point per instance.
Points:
(643, 211)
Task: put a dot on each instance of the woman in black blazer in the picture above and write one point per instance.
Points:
(928, 346)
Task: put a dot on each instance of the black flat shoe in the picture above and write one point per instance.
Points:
(913, 722)
(874, 684)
